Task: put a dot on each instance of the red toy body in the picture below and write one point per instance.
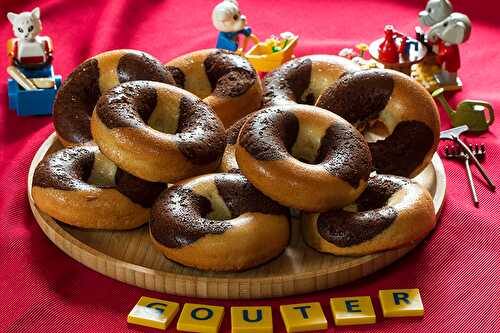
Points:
(388, 50)
(448, 56)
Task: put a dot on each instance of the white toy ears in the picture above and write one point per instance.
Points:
(36, 13)
(12, 17)
(456, 33)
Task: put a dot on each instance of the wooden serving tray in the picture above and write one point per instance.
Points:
(129, 256)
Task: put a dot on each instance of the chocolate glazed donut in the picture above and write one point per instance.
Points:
(77, 97)
(224, 80)
(81, 187)
(303, 80)
(392, 212)
(304, 157)
(158, 132)
(218, 222)
(393, 106)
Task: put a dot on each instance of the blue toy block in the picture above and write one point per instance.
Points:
(33, 102)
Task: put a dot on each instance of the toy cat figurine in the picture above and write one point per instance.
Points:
(29, 50)
(226, 18)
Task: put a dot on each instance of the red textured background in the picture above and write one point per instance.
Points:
(456, 267)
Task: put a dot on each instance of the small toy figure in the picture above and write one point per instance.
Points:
(448, 30)
(268, 55)
(226, 18)
(33, 85)
(469, 112)
(388, 50)
(29, 50)
(448, 34)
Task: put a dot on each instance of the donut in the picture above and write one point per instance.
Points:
(224, 80)
(229, 163)
(397, 109)
(76, 99)
(392, 212)
(303, 80)
(304, 157)
(81, 187)
(158, 132)
(218, 222)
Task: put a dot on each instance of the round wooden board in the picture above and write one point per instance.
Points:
(129, 256)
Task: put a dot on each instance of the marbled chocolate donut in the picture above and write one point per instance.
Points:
(77, 97)
(81, 187)
(393, 106)
(304, 157)
(392, 212)
(158, 132)
(303, 80)
(229, 163)
(224, 80)
(218, 222)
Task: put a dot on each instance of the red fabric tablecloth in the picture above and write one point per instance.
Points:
(456, 268)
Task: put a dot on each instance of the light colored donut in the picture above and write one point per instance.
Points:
(224, 80)
(304, 157)
(158, 132)
(77, 97)
(303, 80)
(81, 187)
(218, 222)
(392, 212)
(396, 108)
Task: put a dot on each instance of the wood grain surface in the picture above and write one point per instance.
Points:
(130, 257)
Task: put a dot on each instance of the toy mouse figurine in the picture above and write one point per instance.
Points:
(28, 50)
(226, 18)
(449, 33)
(448, 30)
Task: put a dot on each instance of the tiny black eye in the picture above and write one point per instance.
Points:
(430, 10)
(235, 17)
(30, 29)
(445, 24)
(20, 30)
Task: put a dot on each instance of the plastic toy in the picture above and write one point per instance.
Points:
(153, 312)
(303, 317)
(454, 134)
(270, 54)
(455, 152)
(226, 18)
(33, 85)
(401, 303)
(448, 30)
(200, 318)
(469, 112)
(397, 51)
(388, 51)
(355, 310)
(255, 319)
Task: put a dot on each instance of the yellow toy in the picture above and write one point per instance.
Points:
(273, 52)
(352, 310)
(401, 303)
(303, 317)
(200, 318)
(153, 312)
(251, 319)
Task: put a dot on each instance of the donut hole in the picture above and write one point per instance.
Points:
(165, 116)
(306, 146)
(103, 171)
(218, 208)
